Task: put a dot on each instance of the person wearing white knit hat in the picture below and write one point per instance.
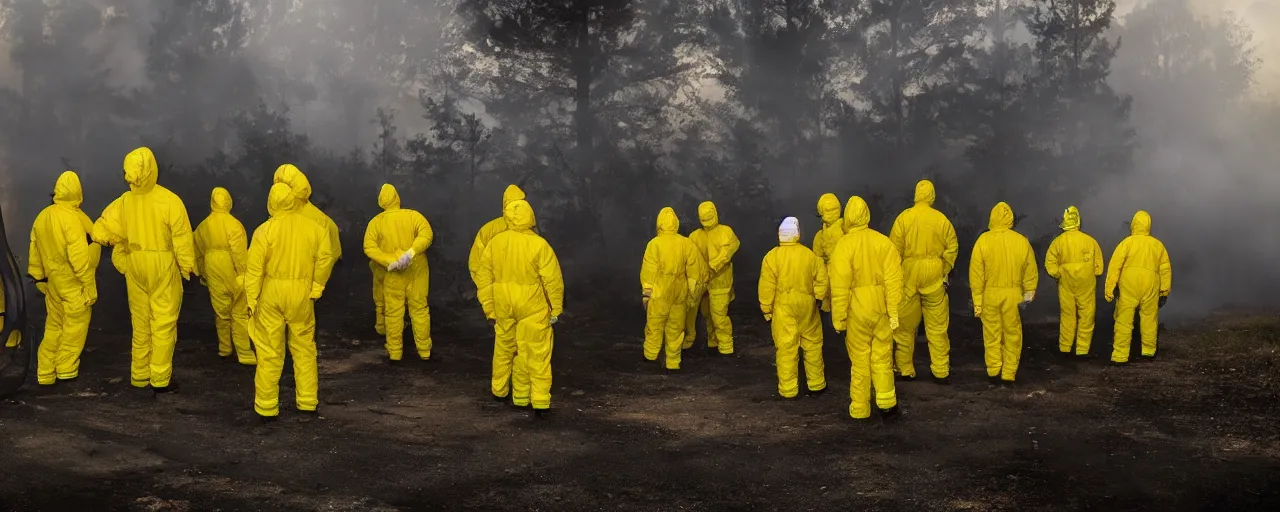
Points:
(793, 281)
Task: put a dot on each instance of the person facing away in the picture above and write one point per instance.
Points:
(151, 233)
(288, 260)
(793, 281)
(718, 244)
(866, 292)
(825, 240)
(63, 260)
(397, 240)
(522, 292)
(671, 270)
(298, 183)
(927, 242)
(222, 254)
(1074, 260)
(1002, 276)
(1140, 267)
(490, 230)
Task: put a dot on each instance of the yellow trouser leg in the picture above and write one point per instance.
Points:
(787, 342)
(719, 302)
(691, 320)
(419, 313)
(269, 332)
(1149, 312)
(504, 357)
(240, 330)
(673, 336)
(811, 345)
(1067, 319)
(1086, 311)
(75, 330)
(47, 354)
(222, 299)
(904, 338)
(534, 338)
(166, 303)
(395, 287)
(993, 331)
(1012, 352)
(379, 278)
(655, 328)
(936, 308)
(302, 346)
(140, 315)
(1125, 307)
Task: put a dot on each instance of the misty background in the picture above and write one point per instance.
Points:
(607, 110)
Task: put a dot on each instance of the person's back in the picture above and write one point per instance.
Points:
(1074, 259)
(670, 270)
(397, 240)
(927, 242)
(825, 240)
(222, 252)
(300, 186)
(793, 280)
(718, 244)
(490, 230)
(1140, 267)
(1002, 277)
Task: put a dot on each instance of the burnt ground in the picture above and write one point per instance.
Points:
(1196, 429)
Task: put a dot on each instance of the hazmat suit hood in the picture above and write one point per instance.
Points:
(789, 231)
(1071, 219)
(388, 198)
(220, 201)
(668, 223)
(67, 190)
(141, 170)
(290, 175)
(829, 209)
(281, 200)
(856, 214)
(511, 194)
(708, 215)
(925, 193)
(1141, 224)
(1001, 217)
(519, 215)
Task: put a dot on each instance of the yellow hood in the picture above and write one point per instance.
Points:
(512, 193)
(708, 215)
(1141, 224)
(829, 208)
(519, 215)
(281, 200)
(1071, 219)
(141, 170)
(925, 193)
(220, 200)
(1001, 217)
(668, 223)
(290, 175)
(856, 214)
(67, 191)
(388, 198)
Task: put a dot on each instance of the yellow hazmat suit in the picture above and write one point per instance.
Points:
(490, 230)
(866, 291)
(522, 292)
(1140, 266)
(1002, 275)
(671, 270)
(1074, 259)
(824, 243)
(64, 259)
(288, 259)
(222, 252)
(927, 242)
(792, 282)
(718, 244)
(379, 321)
(150, 223)
(397, 241)
(289, 174)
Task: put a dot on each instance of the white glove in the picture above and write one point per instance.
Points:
(554, 319)
(393, 266)
(1028, 296)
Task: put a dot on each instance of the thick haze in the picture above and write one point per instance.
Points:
(724, 99)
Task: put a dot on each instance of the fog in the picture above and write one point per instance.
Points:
(760, 105)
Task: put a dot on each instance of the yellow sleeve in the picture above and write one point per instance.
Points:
(952, 251)
(730, 248)
(821, 286)
(335, 241)
(180, 230)
(77, 247)
(892, 281)
(423, 236)
(108, 230)
(198, 242)
(372, 249)
(35, 265)
(818, 249)
(1030, 270)
(978, 271)
(649, 268)
(477, 247)
(768, 282)
(896, 237)
(484, 281)
(239, 242)
(1166, 272)
(257, 258)
(324, 265)
(1097, 257)
(1116, 266)
(1051, 258)
(840, 273)
(695, 269)
(552, 279)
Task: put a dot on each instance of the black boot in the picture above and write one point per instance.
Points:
(904, 378)
(541, 414)
(942, 381)
(1146, 359)
(266, 420)
(994, 380)
(499, 399)
(891, 415)
(817, 393)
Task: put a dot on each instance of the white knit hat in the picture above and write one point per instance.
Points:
(789, 231)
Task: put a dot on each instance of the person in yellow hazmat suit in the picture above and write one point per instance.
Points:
(670, 272)
(866, 292)
(63, 260)
(824, 242)
(927, 242)
(1140, 267)
(288, 260)
(290, 175)
(397, 241)
(793, 281)
(522, 292)
(1074, 260)
(222, 253)
(150, 223)
(718, 244)
(1003, 277)
(490, 230)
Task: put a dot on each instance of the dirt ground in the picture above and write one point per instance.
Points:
(1195, 429)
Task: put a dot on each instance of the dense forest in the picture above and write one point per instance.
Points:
(607, 110)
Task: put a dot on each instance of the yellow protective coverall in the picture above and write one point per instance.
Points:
(1074, 259)
(670, 271)
(379, 321)
(490, 230)
(151, 225)
(866, 291)
(289, 174)
(288, 258)
(792, 282)
(222, 253)
(1002, 275)
(718, 244)
(65, 260)
(824, 242)
(1140, 266)
(390, 235)
(522, 292)
(927, 242)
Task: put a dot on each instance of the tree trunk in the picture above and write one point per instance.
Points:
(582, 95)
